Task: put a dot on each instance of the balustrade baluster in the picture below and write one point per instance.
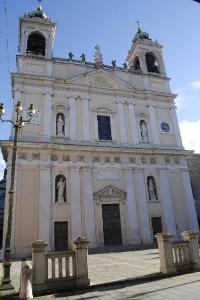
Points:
(53, 268)
(60, 267)
(67, 266)
(175, 253)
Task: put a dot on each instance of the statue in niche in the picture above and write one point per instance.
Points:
(60, 189)
(60, 125)
(144, 131)
(152, 188)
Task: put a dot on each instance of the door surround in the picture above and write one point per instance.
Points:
(110, 195)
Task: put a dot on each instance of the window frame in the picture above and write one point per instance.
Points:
(102, 136)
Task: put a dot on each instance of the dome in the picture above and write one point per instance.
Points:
(140, 35)
(38, 13)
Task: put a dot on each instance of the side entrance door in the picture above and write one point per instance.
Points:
(61, 236)
(156, 225)
(111, 224)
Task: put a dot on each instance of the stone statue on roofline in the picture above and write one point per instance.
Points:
(113, 62)
(98, 58)
(70, 55)
(83, 58)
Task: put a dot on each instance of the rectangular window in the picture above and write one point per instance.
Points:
(104, 128)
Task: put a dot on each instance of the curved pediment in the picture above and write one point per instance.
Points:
(60, 107)
(103, 109)
(110, 191)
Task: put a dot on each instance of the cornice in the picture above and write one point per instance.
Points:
(95, 148)
(62, 84)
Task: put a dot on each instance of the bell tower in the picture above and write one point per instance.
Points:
(145, 54)
(36, 34)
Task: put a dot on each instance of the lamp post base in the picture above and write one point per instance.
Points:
(6, 280)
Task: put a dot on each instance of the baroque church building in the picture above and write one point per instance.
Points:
(103, 156)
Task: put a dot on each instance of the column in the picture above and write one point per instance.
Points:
(133, 122)
(122, 124)
(176, 127)
(45, 203)
(72, 121)
(76, 224)
(144, 218)
(48, 115)
(166, 199)
(132, 208)
(89, 206)
(193, 223)
(154, 125)
(86, 119)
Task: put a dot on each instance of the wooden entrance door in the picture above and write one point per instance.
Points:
(111, 224)
(61, 236)
(156, 225)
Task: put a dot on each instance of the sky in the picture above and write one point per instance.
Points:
(112, 24)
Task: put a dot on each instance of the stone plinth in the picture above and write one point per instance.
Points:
(192, 237)
(39, 265)
(81, 248)
(166, 254)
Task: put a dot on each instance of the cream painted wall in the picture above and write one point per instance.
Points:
(26, 215)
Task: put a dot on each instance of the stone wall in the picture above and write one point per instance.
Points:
(194, 171)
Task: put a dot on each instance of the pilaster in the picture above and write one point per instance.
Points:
(89, 206)
(45, 203)
(76, 224)
(193, 223)
(166, 199)
(146, 237)
(153, 125)
(72, 117)
(86, 119)
(176, 127)
(134, 126)
(122, 124)
(132, 208)
(48, 114)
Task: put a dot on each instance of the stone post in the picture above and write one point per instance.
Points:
(81, 248)
(166, 255)
(192, 237)
(39, 266)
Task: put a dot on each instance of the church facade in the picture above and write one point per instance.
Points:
(103, 156)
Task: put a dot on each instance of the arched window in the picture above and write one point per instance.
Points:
(152, 63)
(36, 44)
(60, 125)
(60, 189)
(152, 190)
(144, 131)
(136, 64)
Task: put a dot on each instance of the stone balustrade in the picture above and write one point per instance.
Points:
(176, 256)
(59, 270)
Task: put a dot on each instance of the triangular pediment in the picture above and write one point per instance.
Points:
(110, 191)
(101, 79)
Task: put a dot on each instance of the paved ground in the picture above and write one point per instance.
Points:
(113, 266)
(185, 287)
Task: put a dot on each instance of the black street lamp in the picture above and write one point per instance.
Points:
(17, 125)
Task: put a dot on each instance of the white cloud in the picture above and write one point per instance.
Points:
(190, 135)
(195, 85)
(2, 166)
